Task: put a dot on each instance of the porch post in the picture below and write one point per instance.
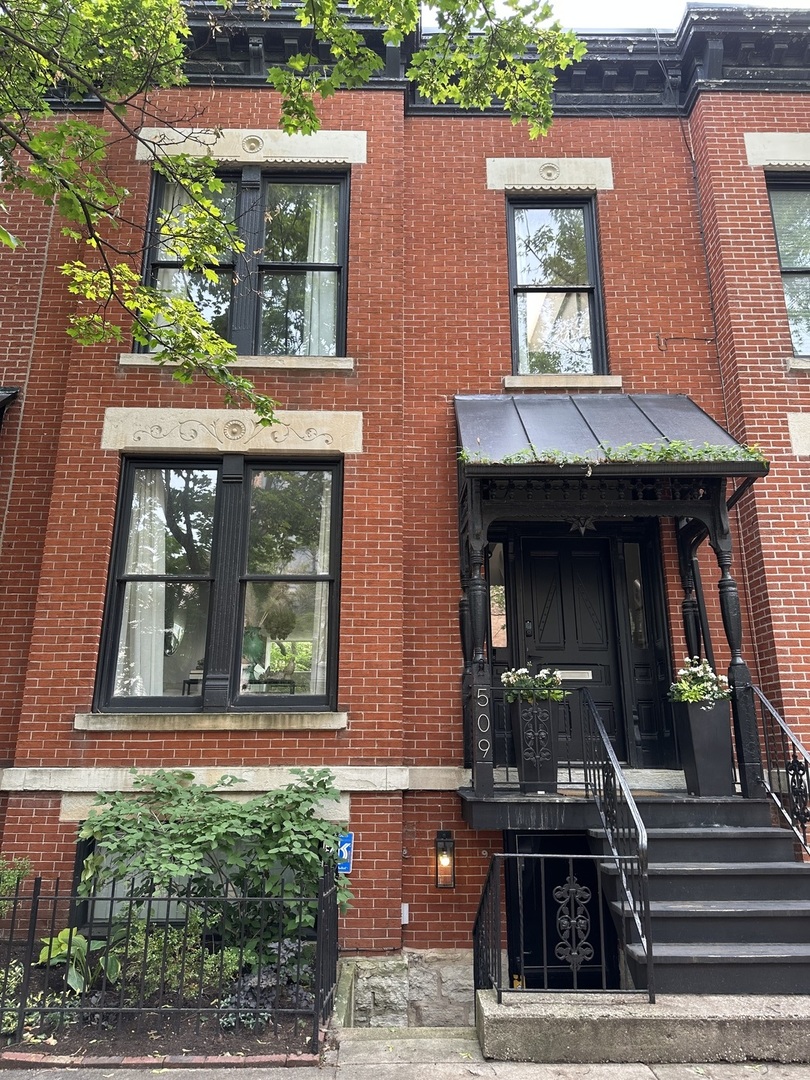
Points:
(689, 535)
(480, 704)
(746, 735)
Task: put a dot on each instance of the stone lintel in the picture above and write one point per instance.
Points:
(368, 778)
(550, 174)
(306, 431)
(254, 145)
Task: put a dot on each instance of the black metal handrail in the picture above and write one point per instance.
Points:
(786, 769)
(623, 827)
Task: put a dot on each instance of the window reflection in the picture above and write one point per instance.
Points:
(635, 595)
(497, 598)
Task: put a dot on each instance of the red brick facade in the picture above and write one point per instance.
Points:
(693, 305)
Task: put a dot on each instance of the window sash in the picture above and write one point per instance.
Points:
(286, 293)
(790, 209)
(555, 299)
(171, 607)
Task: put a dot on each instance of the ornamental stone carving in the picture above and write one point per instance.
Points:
(229, 430)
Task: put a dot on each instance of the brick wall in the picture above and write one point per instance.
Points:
(428, 318)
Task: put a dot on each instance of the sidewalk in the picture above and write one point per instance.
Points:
(426, 1054)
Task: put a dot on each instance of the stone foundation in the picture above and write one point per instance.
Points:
(416, 988)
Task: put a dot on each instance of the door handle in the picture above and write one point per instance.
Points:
(528, 627)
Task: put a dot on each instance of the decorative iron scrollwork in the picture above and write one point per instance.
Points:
(573, 923)
(535, 724)
(798, 785)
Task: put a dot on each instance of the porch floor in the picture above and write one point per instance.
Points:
(566, 808)
(571, 782)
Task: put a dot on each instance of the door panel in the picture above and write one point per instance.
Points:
(569, 623)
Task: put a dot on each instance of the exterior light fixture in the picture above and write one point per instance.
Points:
(445, 860)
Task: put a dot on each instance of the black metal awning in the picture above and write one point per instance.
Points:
(7, 397)
(553, 431)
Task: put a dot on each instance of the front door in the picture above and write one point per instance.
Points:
(568, 624)
(590, 606)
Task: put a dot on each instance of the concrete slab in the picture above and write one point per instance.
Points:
(385, 1046)
(718, 1071)
(563, 1028)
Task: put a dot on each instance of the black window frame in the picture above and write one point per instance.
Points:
(220, 687)
(789, 183)
(244, 317)
(593, 288)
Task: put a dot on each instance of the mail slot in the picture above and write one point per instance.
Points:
(579, 676)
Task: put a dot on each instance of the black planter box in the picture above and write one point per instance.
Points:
(704, 738)
(535, 725)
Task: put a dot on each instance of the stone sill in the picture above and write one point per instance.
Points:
(562, 382)
(232, 721)
(798, 363)
(284, 363)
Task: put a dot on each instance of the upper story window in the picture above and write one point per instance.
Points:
(223, 590)
(556, 309)
(285, 294)
(790, 203)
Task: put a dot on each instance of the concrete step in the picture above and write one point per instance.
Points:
(591, 1028)
(726, 968)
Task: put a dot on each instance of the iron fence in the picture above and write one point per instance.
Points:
(544, 924)
(253, 963)
(786, 769)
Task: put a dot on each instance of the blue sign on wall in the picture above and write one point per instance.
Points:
(345, 852)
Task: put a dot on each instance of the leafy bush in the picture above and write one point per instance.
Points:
(75, 951)
(164, 959)
(173, 834)
(11, 874)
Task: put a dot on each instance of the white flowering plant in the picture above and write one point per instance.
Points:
(521, 685)
(699, 683)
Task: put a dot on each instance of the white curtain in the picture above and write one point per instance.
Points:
(320, 620)
(139, 670)
(320, 297)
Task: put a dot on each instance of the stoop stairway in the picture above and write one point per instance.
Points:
(729, 902)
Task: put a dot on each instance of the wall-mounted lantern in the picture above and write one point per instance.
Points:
(445, 860)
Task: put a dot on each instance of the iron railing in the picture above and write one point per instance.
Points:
(786, 769)
(624, 830)
(550, 916)
(256, 963)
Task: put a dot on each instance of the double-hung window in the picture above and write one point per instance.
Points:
(285, 293)
(555, 302)
(790, 203)
(224, 586)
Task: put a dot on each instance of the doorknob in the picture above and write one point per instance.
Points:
(528, 626)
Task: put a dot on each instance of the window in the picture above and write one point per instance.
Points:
(556, 311)
(285, 294)
(223, 589)
(790, 203)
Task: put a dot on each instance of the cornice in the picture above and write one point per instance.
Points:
(624, 73)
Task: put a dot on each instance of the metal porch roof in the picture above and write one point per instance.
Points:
(527, 429)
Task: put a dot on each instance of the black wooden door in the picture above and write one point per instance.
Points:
(568, 622)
